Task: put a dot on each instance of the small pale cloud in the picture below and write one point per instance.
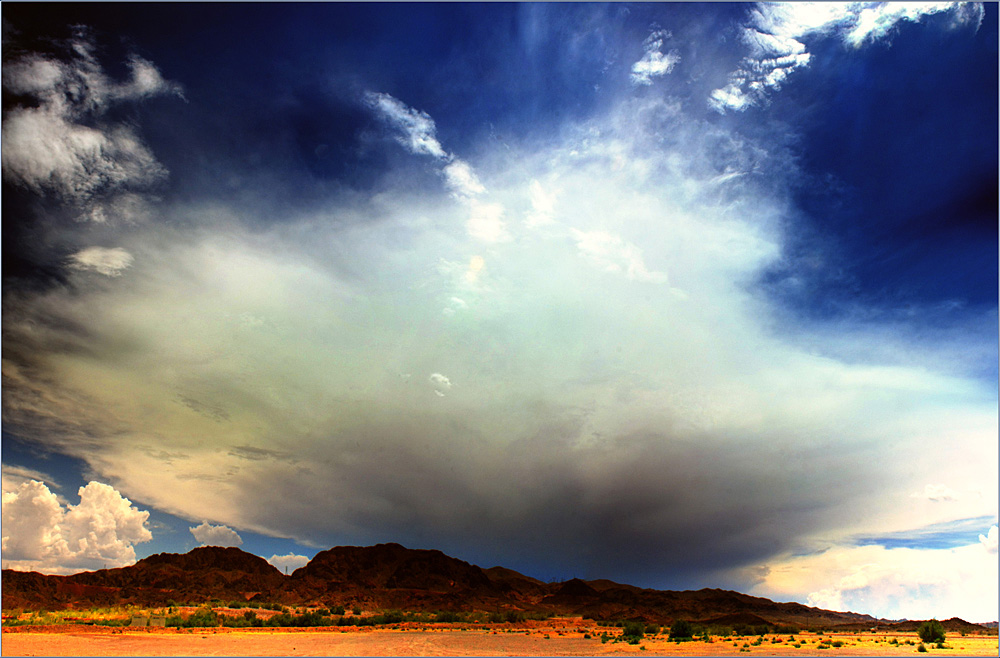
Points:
(288, 563)
(990, 540)
(474, 270)
(776, 30)
(41, 534)
(462, 180)
(937, 493)
(543, 205)
(15, 476)
(613, 254)
(109, 262)
(486, 222)
(455, 305)
(440, 384)
(417, 127)
(653, 62)
(216, 535)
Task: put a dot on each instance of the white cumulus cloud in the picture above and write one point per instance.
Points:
(216, 535)
(41, 534)
(989, 540)
(288, 563)
(893, 583)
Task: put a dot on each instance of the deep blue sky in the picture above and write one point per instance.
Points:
(581, 289)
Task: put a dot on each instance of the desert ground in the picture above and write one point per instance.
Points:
(554, 638)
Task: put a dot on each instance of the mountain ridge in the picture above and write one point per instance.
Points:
(390, 576)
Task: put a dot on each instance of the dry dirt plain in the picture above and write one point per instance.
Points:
(544, 639)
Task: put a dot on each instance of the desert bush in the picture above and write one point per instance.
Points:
(634, 629)
(394, 617)
(203, 617)
(922, 648)
(337, 610)
(931, 631)
(681, 629)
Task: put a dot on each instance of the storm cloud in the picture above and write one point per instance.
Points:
(552, 354)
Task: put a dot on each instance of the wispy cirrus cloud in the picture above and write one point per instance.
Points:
(63, 143)
(654, 63)
(776, 32)
(417, 130)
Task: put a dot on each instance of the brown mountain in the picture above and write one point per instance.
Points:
(389, 576)
(205, 573)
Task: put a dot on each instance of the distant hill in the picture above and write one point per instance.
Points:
(390, 576)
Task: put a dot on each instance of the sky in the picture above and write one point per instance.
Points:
(680, 295)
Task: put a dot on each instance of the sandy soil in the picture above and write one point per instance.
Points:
(70, 640)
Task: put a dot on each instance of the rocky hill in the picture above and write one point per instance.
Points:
(389, 576)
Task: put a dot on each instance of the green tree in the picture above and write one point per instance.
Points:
(931, 631)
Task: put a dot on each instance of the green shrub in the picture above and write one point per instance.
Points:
(203, 617)
(931, 631)
(681, 629)
(922, 648)
(634, 629)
